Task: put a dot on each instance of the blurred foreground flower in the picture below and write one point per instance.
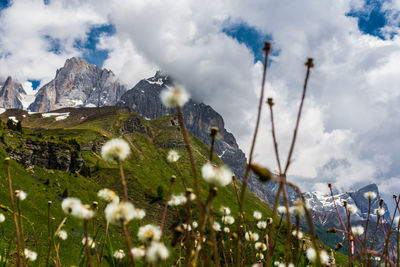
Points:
(173, 97)
(115, 150)
(221, 176)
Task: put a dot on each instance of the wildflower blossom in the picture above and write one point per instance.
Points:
(260, 256)
(118, 213)
(108, 195)
(221, 176)
(149, 233)
(225, 210)
(62, 235)
(380, 212)
(177, 200)
(262, 225)
(84, 212)
(227, 230)
(71, 205)
(30, 255)
(228, 220)
(2, 217)
(370, 195)
(257, 215)
(90, 241)
(139, 214)
(270, 220)
(173, 156)
(312, 255)
(216, 226)
(357, 230)
(298, 234)
(173, 97)
(138, 253)
(119, 254)
(282, 210)
(21, 195)
(115, 150)
(195, 224)
(285, 265)
(352, 209)
(157, 251)
(297, 210)
(260, 246)
(250, 236)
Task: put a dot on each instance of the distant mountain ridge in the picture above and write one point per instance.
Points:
(11, 94)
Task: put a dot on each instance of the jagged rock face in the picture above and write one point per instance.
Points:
(78, 84)
(11, 94)
(48, 155)
(144, 100)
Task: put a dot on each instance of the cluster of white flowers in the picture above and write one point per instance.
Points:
(357, 230)
(62, 235)
(177, 200)
(312, 255)
(108, 195)
(119, 254)
(173, 156)
(250, 236)
(261, 224)
(90, 242)
(174, 96)
(30, 255)
(228, 220)
(139, 214)
(257, 215)
(157, 251)
(352, 209)
(370, 195)
(74, 207)
(380, 212)
(120, 213)
(2, 217)
(216, 226)
(138, 253)
(115, 150)
(21, 195)
(149, 233)
(225, 210)
(221, 176)
(298, 234)
(260, 246)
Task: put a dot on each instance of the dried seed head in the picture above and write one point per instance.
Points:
(339, 246)
(310, 62)
(267, 47)
(270, 101)
(264, 174)
(214, 131)
(331, 230)
(173, 179)
(7, 161)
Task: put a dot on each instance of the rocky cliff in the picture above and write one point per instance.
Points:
(79, 84)
(11, 94)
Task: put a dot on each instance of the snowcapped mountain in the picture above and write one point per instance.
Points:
(12, 94)
(79, 84)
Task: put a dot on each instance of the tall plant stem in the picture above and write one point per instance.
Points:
(49, 235)
(104, 242)
(87, 246)
(128, 244)
(337, 211)
(266, 49)
(187, 233)
(387, 241)
(7, 161)
(270, 104)
(21, 231)
(123, 180)
(164, 214)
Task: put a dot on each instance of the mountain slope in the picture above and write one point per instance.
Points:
(78, 84)
(11, 94)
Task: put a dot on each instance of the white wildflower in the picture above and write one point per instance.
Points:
(138, 253)
(312, 255)
(195, 224)
(380, 212)
(21, 195)
(174, 96)
(62, 235)
(297, 210)
(225, 210)
(139, 214)
(90, 242)
(260, 256)
(282, 210)
(227, 230)
(298, 234)
(115, 150)
(228, 220)
(118, 213)
(276, 263)
(262, 225)
(257, 215)
(157, 251)
(108, 195)
(173, 156)
(149, 233)
(119, 254)
(185, 226)
(370, 195)
(352, 209)
(357, 230)
(30, 255)
(2, 217)
(250, 236)
(221, 176)
(84, 212)
(177, 200)
(260, 246)
(71, 205)
(285, 265)
(323, 255)
(216, 226)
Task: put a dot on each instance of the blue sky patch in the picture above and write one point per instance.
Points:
(54, 44)
(250, 36)
(4, 4)
(91, 54)
(35, 83)
(371, 18)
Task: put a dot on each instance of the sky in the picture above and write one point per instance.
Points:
(349, 133)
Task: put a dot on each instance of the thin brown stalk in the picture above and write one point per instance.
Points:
(21, 231)
(7, 161)
(337, 211)
(271, 232)
(385, 250)
(164, 214)
(49, 235)
(214, 240)
(123, 180)
(104, 242)
(187, 233)
(267, 49)
(366, 224)
(270, 104)
(128, 244)
(87, 246)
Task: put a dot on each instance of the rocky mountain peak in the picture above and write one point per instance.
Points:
(11, 94)
(79, 84)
